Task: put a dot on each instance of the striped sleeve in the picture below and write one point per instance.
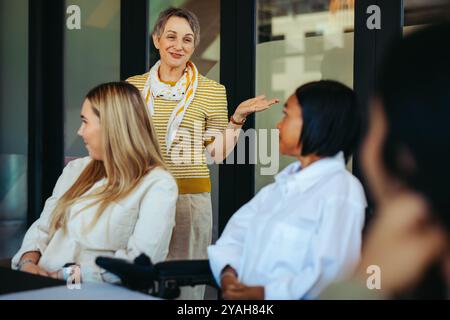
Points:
(217, 116)
(138, 81)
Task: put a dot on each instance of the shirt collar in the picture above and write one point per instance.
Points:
(293, 177)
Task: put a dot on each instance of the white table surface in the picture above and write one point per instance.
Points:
(88, 291)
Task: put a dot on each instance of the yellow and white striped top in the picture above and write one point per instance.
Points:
(207, 112)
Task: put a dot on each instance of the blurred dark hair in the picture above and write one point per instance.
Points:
(331, 118)
(414, 88)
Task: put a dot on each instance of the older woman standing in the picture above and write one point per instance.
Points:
(186, 107)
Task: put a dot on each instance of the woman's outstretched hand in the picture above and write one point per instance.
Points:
(257, 104)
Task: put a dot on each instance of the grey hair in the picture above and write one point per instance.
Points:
(190, 17)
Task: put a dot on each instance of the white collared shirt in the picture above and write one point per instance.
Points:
(298, 234)
(140, 223)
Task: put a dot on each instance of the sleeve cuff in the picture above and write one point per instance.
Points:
(15, 260)
(221, 257)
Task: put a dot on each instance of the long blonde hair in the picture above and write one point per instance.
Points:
(130, 150)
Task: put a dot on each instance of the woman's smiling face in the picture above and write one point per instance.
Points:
(176, 43)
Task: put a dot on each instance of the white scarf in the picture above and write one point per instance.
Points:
(184, 91)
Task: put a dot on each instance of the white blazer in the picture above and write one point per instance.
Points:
(298, 234)
(140, 223)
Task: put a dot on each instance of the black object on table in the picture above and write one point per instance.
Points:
(162, 279)
(15, 281)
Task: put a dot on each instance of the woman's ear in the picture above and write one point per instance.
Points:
(155, 40)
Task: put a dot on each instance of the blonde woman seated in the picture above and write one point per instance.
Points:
(119, 201)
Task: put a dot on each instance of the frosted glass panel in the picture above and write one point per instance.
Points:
(92, 56)
(299, 42)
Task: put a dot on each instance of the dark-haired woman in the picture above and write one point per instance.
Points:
(303, 231)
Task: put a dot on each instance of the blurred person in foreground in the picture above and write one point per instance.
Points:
(405, 157)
